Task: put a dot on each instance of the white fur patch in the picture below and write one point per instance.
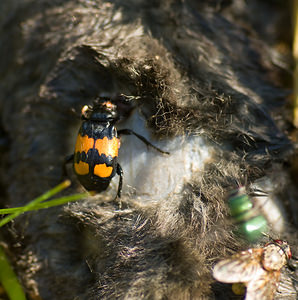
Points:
(152, 176)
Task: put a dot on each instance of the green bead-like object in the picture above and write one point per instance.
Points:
(239, 204)
(252, 229)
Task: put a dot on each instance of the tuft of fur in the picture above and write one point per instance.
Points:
(192, 70)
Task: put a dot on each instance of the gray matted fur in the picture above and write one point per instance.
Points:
(204, 69)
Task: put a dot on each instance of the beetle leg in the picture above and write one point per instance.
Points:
(119, 172)
(68, 159)
(129, 132)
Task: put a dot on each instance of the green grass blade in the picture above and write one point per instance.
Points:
(60, 201)
(9, 279)
(6, 211)
(37, 200)
(46, 204)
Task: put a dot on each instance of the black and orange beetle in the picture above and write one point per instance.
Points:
(95, 159)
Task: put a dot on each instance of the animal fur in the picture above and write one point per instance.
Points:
(200, 71)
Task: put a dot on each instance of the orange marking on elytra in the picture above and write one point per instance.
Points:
(102, 170)
(108, 147)
(83, 144)
(81, 168)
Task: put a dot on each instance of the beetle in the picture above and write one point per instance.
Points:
(95, 158)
